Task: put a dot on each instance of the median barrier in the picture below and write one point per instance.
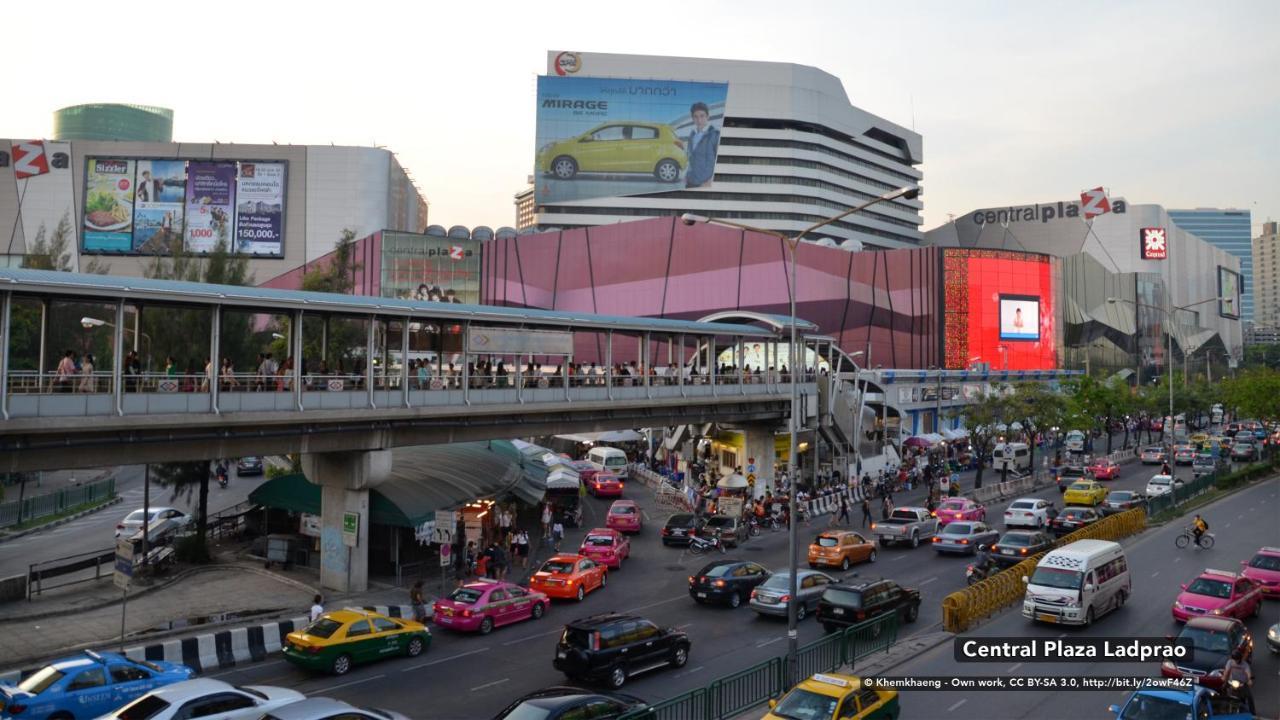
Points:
(961, 608)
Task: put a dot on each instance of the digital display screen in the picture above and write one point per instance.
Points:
(1019, 317)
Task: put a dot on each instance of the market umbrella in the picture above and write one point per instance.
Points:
(915, 441)
(733, 482)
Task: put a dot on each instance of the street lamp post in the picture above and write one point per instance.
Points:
(793, 242)
(937, 402)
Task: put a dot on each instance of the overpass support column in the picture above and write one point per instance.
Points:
(759, 450)
(344, 479)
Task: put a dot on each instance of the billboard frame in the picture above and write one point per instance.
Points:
(1222, 313)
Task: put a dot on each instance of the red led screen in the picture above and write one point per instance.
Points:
(975, 282)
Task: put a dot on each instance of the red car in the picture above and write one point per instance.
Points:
(1213, 641)
(482, 606)
(1105, 469)
(960, 508)
(1264, 569)
(607, 547)
(605, 484)
(624, 515)
(1217, 592)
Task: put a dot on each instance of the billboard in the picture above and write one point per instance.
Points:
(602, 137)
(141, 206)
(998, 310)
(426, 267)
(1019, 317)
(1228, 293)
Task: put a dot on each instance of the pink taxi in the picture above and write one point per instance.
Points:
(957, 509)
(606, 546)
(1217, 592)
(604, 484)
(1264, 570)
(624, 515)
(482, 606)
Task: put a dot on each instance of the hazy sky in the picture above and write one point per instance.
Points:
(1176, 103)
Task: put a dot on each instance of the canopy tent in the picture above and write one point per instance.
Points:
(733, 482)
(925, 440)
(956, 434)
(607, 437)
(545, 469)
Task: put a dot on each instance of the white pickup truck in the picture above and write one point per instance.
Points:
(906, 525)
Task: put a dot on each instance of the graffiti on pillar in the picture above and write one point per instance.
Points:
(333, 553)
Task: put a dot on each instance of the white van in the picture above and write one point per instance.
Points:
(1076, 583)
(1017, 456)
(1074, 441)
(609, 459)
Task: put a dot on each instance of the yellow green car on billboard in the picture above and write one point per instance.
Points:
(617, 147)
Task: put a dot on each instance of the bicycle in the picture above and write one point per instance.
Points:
(1186, 537)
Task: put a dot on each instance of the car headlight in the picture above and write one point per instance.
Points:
(1217, 611)
(1274, 633)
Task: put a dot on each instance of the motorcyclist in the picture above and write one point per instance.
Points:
(1198, 528)
(982, 561)
(1239, 680)
(220, 472)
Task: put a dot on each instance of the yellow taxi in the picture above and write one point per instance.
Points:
(1199, 439)
(1084, 492)
(833, 696)
(339, 639)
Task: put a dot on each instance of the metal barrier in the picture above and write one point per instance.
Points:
(1005, 588)
(40, 506)
(98, 560)
(728, 696)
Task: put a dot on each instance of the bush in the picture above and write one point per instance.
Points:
(191, 549)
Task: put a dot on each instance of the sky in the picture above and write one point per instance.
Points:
(1175, 103)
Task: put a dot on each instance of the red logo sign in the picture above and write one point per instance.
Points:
(29, 159)
(456, 252)
(1094, 203)
(568, 63)
(1155, 243)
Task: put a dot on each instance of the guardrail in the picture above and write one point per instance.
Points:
(37, 573)
(740, 691)
(41, 506)
(1005, 588)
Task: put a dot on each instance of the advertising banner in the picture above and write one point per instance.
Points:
(424, 267)
(999, 310)
(1228, 293)
(601, 137)
(157, 210)
(108, 205)
(211, 189)
(260, 208)
(1019, 317)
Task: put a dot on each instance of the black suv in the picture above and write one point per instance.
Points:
(562, 703)
(612, 647)
(726, 581)
(853, 602)
(680, 527)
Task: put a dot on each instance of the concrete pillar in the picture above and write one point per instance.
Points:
(758, 448)
(345, 479)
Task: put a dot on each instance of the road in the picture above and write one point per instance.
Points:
(96, 531)
(1241, 523)
(471, 676)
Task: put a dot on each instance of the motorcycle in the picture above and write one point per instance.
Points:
(221, 473)
(699, 544)
(975, 573)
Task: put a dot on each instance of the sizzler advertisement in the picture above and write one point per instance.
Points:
(146, 206)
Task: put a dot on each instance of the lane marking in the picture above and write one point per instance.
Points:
(1227, 525)
(657, 603)
(762, 643)
(527, 637)
(246, 667)
(957, 704)
(345, 684)
(1062, 635)
(900, 557)
(445, 659)
(489, 684)
(1155, 573)
(926, 582)
(1014, 667)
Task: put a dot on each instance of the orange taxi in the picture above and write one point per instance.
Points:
(840, 548)
(569, 577)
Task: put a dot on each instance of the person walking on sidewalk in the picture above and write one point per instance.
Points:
(557, 534)
(546, 521)
(316, 608)
(844, 511)
(866, 513)
(418, 602)
(522, 549)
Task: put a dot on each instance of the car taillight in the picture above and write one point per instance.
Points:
(861, 615)
(964, 541)
(314, 649)
(466, 613)
(753, 594)
(595, 640)
(785, 598)
(933, 513)
(873, 526)
(719, 583)
(15, 709)
(666, 531)
(937, 539)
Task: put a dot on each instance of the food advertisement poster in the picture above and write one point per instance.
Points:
(211, 188)
(157, 210)
(260, 208)
(601, 137)
(108, 205)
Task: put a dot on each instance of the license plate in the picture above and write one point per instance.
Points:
(702, 595)
(837, 611)
(1007, 552)
(447, 611)
(560, 654)
(1047, 618)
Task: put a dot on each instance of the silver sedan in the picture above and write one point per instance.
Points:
(964, 537)
(770, 597)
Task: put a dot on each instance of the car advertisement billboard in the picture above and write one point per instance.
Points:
(998, 310)
(1228, 293)
(602, 137)
(141, 206)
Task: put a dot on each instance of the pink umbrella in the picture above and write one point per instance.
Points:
(915, 441)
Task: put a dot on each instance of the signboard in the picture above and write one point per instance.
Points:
(424, 533)
(1094, 203)
(108, 205)
(260, 208)
(729, 507)
(309, 525)
(158, 204)
(602, 137)
(426, 267)
(211, 195)
(1153, 242)
(350, 528)
(124, 564)
(446, 555)
(1019, 317)
(29, 159)
(509, 341)
(1228, 293)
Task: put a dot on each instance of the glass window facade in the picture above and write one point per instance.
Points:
(426, 267)
(1229, 230)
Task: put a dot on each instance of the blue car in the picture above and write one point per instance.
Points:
(86, 686)
(1151, 703)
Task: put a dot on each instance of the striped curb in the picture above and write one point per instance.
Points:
(224, 649)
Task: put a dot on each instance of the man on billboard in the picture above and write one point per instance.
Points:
(701, 147)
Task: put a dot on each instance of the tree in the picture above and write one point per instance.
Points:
(982, 417)
(1095, 403)
(1254, 393)
(182, 479)
(54, 253)
(1039, 409)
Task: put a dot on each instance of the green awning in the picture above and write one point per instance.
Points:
(288, 492)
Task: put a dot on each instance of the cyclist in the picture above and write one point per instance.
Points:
(1198, 528)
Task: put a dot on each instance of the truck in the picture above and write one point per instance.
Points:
(906, 525)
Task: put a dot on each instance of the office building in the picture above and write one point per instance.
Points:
(1266, 278)
(1232, 231)
(113, 121)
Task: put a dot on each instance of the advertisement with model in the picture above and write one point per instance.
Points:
(211, 195)
(999, 310)
(603, 137)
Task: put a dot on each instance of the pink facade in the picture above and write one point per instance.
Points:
(663, 268)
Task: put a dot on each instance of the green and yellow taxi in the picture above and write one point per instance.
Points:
(1084, 492)
(340, 639)
(833, 696)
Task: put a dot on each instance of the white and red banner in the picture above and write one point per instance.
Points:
(1094, 203)
(29, 159)
(1154, 243)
